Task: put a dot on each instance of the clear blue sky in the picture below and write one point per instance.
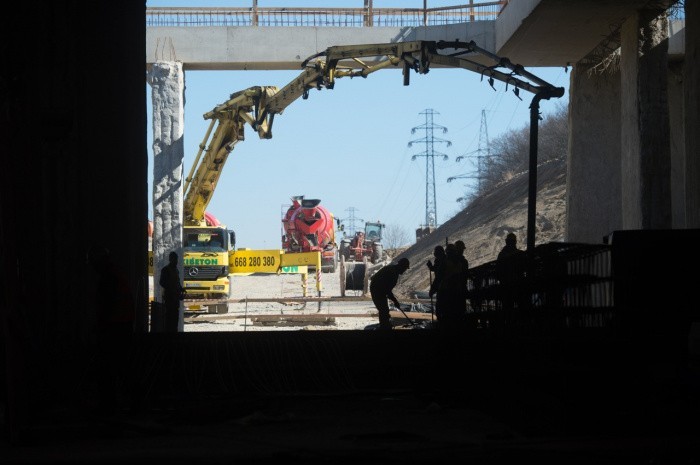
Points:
(349, 146)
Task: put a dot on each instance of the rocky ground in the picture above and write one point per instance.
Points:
(482, 226)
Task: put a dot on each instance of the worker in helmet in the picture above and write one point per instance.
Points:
(173, 292)
(381, 288)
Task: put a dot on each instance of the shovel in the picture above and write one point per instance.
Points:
(413, 323)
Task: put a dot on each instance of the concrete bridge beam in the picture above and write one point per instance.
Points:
(285, 48)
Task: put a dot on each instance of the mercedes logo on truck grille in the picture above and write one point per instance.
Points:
(193, 271)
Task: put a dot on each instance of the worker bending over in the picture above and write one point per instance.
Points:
(381, 288)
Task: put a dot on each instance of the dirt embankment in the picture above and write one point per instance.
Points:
(484, 224)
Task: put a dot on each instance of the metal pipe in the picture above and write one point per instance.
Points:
(532, 175)
(544, 94)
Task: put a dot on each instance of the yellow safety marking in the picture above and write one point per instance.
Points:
(301, 258)
(255, 261)
(305, 258)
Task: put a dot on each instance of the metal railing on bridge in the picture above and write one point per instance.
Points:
(323, 17)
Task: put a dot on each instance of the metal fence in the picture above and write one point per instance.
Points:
(323, 17)
(566, 286)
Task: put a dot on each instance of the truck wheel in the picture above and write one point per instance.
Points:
(355, 277)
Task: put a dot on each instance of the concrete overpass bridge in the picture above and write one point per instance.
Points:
(632, 163)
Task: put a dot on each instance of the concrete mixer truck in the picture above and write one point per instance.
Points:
(309, 227)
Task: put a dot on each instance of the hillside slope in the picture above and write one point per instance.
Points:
(484, 224)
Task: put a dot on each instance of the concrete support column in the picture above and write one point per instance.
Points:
(593, 177)
(167, 82)
(691, 83)
(646, 159)
(676, 110)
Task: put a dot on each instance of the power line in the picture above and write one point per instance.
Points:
(430, 140)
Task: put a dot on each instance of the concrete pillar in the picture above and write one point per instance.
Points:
(167, 80)
(676, 105)
(593, 177)
(691, 84)
(646, 160)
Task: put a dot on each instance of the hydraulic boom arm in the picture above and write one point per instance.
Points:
(258, 105)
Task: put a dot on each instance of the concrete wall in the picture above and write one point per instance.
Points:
(630, 163)
(75, 159)
(691, 82)
(677, 105)
(646, 157)
(74, 174)
(593, 179)
(642, 179)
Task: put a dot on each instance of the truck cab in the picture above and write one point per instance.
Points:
(205, 265)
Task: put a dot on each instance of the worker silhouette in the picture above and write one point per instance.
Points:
(463, 277)
(437, 269)
(381, 288)
(114, 302)
(173, 293)
(439, 256)
(452, 291)
(510, 272)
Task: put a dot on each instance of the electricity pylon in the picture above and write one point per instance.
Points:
(351, 219)
(481, 155)
(430, 140)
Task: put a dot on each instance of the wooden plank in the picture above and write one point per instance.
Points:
(304, 299)
(293, 320)
(203, 317)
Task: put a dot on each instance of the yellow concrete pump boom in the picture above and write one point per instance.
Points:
(258, 105)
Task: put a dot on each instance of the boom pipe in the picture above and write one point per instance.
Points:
(343, 52)
(202, 147)
(500, 61)
(464, 63)
(309, 78)
(229, 118)
(203, 184)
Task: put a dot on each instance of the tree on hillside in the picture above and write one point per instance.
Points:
(510, 153)
(394, 237)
